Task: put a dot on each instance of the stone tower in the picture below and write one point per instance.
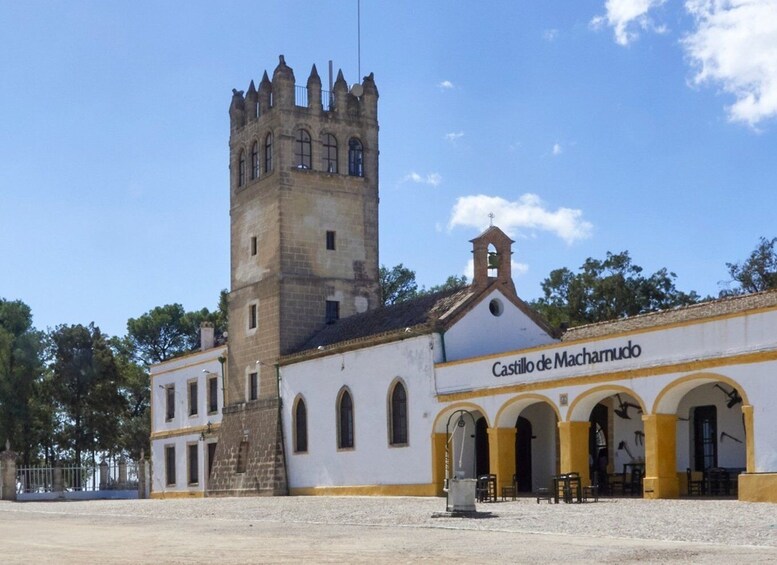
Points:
(304, 249)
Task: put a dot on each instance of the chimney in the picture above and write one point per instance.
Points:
(206, 336)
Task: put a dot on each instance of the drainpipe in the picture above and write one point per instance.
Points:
(222, 360)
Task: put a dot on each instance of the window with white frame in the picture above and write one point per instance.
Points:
(194, 463)
(193, 400)
(170, 465)
(170, 402)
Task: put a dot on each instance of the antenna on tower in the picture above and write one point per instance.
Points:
(357, 89)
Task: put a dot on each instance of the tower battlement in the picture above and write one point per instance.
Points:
(360, 103)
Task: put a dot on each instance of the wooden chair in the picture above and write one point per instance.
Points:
(634, 483)
(695, 486)
(510, 490)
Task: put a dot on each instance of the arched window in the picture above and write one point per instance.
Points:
(268, 153)
(398, 415)
(329, 155)
(345, 421)
(302, 151)
(355, 158)
(241, 169)
(300, 427)
(255, 161)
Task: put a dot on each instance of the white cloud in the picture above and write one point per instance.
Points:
(550, 34)
(735, 46)
(626, 15)
(528, 213)
(433, 179)
(453, 136)
(557, 150)
(517, 269)
(446, 85)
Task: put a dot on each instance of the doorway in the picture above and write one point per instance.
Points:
(523, 463)
(705, 437)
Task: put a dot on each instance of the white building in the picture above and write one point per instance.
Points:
(371, 405)
(187, 398)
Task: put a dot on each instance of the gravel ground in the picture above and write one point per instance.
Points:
(378, 530)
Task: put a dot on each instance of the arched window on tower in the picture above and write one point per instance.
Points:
(268, 153)
(300, 427)
(302, 150)
(241, 169)
(329, 156)
(355, 158)
(255, 161)
(345, 420)
(398, 415)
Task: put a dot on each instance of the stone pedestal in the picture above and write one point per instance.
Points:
(8, 475)
(461, 495)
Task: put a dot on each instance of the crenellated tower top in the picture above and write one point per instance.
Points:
(361, 102)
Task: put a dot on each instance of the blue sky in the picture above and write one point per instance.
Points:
(584, 127)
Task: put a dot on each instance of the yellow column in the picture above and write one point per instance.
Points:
(501, 455)
(661, 456)
(573, 440)
(747, 413)
(438, 462)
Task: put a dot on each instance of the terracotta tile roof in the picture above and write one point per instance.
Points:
(711, 309)
(420, 314)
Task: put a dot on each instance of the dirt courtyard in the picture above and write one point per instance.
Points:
(385, 530)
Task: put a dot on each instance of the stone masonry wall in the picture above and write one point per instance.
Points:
(258, 423)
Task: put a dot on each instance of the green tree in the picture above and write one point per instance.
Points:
(85, 388)
(453, 282)
(397, 285)
(135, 420)
(167, 331)
(160, 334)
(606, 290)
(25, 417)
(756, 273)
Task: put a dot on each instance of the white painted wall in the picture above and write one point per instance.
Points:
(183, 429)
(479, 332)
(368, 373)
(729, 420)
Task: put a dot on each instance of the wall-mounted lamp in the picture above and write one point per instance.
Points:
(207, 431)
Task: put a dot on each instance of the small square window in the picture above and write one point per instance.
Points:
(251, 316)
(253, 246)
(332, 311)
(253, 386)
(330, 240)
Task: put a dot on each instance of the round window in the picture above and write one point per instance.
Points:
(495, 307)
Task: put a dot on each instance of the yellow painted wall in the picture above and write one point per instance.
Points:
(573, 438)
(501, 450)
(758, 487)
